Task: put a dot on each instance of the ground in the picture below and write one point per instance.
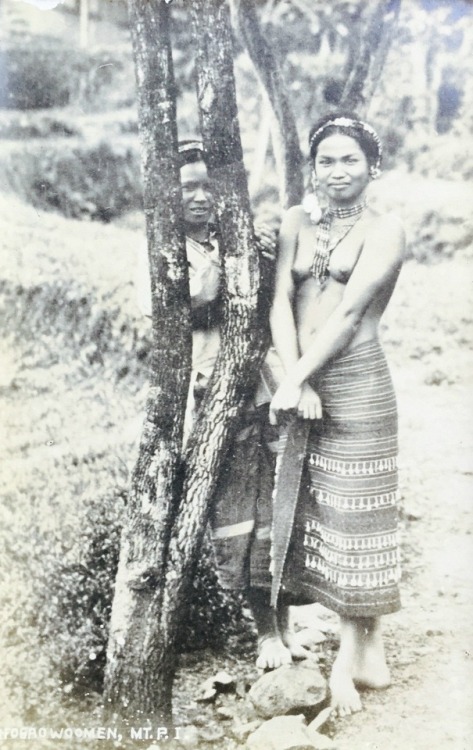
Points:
(71, 422)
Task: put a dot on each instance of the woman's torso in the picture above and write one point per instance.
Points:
(314, 302)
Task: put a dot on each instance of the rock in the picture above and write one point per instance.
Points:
(207, 692)
(189, 737)
(219, 683)
(281, 733)
(290, 688)
(310, 638)
(314, 616)
(224, 680)
(212, 733)
(226, 713)
(321, 741)
(320, 719)
(241, 731)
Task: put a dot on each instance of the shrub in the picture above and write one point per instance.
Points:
(74, 592)
(39, 73)
(98, 182)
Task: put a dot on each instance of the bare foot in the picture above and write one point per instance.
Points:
(345, 699)
(272, 653)
(296, 645)
(371, 670)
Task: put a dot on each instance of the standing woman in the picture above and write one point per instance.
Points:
(336, 273)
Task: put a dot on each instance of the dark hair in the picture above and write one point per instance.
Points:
(190, 151)
(347, 123)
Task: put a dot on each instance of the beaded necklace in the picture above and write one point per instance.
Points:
(323, 247)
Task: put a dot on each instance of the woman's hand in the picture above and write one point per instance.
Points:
(285, 399)
(310, 405)
(266, 239)
(291, 397)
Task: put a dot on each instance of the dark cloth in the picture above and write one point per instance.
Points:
(344, 548)
(241, 518)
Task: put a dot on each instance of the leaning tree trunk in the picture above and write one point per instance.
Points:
(374, 48)
(243, 333)
(154, 574)
(137, 668)
(285, 139)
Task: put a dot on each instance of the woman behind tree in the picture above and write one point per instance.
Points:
(335, 275)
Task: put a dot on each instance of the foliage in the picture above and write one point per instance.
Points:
(98, 181)
(75, 589)
(61, 524)
(43, 73)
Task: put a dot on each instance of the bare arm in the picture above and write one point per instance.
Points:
(376, 271)
(283, 326)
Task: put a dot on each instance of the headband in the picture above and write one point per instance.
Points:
(348, 122)
(184, 146)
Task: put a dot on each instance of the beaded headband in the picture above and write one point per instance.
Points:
(193, 145)
(348, 122)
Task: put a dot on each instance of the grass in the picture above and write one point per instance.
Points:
(72, 401)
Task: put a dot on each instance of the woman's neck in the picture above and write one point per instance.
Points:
(342, 206)
(197, 233)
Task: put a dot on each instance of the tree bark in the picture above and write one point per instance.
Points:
(374, 48)
(243, 330)
(285, 139)
(137, 668)
(166, 522)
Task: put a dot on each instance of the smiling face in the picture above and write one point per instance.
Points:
(197, 197)
(342, 170)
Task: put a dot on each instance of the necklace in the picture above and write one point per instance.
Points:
(325, 242)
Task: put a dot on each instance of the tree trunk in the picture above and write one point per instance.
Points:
(284, 131)
(243, 331)
(156, 565)
(137, 668)
(374, 48)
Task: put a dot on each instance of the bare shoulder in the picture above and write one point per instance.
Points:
(294, 218)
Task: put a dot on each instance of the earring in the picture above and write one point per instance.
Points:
(314, 181)
(374, 172)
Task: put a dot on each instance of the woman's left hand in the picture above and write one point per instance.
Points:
(286, 398)
(266, 238)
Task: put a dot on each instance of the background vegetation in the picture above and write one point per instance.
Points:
(76, 346)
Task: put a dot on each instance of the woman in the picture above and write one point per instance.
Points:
(336, 272)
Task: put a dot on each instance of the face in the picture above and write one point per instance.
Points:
(197, 198)
(342, 169)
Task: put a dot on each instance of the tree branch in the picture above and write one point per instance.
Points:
(284, 131)
(373, 52)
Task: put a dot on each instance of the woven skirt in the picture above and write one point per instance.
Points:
(344, 546)
(241, 517)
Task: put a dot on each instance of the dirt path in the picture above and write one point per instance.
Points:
(430, 703)
(429, 642)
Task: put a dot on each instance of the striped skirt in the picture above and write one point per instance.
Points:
(344, 547)
(241, 517)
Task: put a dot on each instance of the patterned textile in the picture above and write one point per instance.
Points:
(241, 519)
(344, 548)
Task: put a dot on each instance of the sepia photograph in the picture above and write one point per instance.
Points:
(236, 374)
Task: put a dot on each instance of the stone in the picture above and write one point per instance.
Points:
(189, 737)
(321, 718)
(212, 733)
(321, 741)
(310, 638)
(224, 680)
(219, 683)
(241, 731)
(292, 687)
(281, 733)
